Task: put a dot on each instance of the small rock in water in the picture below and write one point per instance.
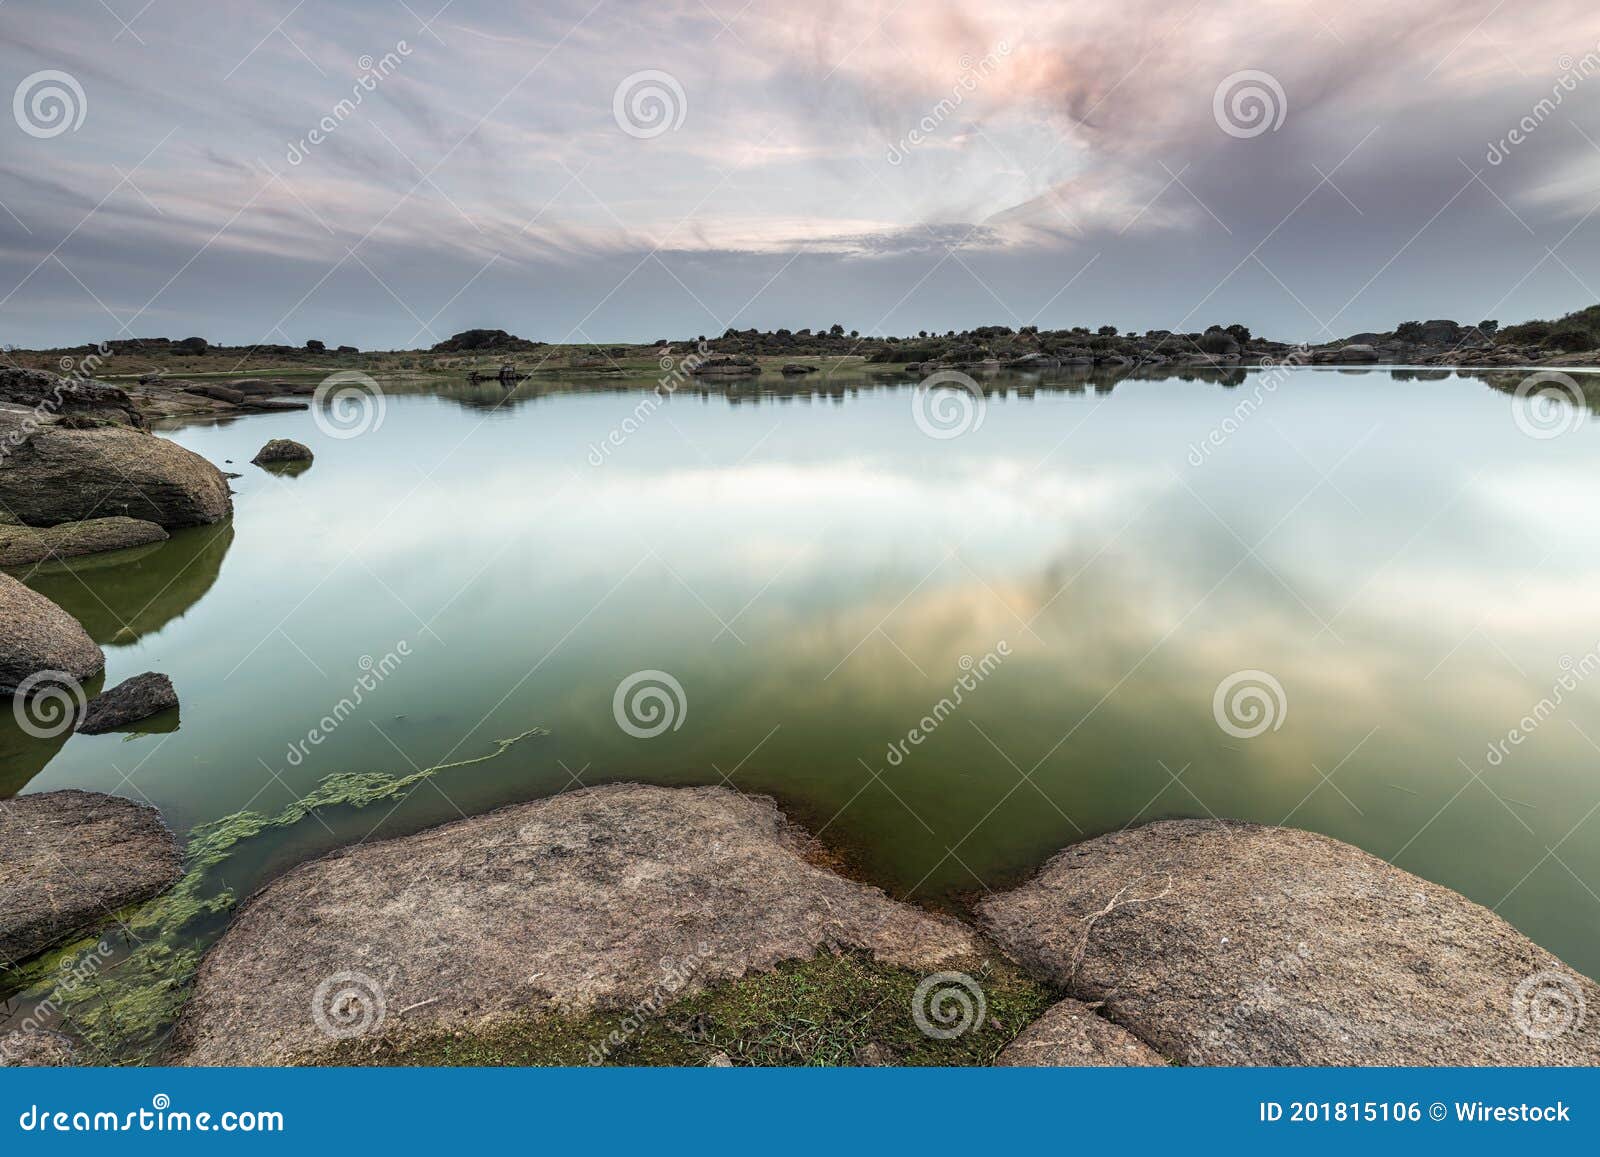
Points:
(128, 702)
(281, 450)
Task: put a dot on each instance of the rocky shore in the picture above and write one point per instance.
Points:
(81, 474)
(70, 860)
(1180, 942)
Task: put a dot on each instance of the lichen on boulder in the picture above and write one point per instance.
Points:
(558, 907)
(1237, 944)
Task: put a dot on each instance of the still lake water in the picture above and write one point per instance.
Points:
(817, 573)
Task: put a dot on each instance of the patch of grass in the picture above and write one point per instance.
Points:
(829, 1010)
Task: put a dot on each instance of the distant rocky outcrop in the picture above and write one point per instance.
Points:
(40, 636)
(128, 702)
(70, 859)
(54, 474)
(726, 365)
(565, 905)
(1234, 944)
(26, 545)
(484, 341)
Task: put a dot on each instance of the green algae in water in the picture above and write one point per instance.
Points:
(122, 1011)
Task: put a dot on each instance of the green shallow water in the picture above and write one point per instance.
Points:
(816, 573)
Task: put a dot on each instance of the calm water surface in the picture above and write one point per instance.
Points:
(817, 573)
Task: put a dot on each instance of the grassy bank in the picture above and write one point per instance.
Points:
(830, 1010)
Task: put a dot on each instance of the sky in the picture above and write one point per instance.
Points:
(385, 173)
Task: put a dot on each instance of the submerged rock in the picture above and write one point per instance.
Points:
(128, 702)
(599, 898)
(63, 475)
(1074, 1035)
(70, 859)
(40, 636)
(25, 545)
(1233, 944)
(281, 450)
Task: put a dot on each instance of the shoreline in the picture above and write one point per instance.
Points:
(762, 932)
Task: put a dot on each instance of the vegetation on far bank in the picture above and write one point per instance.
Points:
(483, 350)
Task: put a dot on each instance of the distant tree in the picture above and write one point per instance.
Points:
(1409, 331)
(1488, 327)
(855, 333)
(1571, 336)
(316, 346)
(194, 345)
(1108, 331)
(1241, 334)
(348, 349)
(836, 330)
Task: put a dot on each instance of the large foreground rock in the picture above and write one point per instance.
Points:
(64, 475)
(69, 860)
(50, 396)
(594, 899)
(26, 545)
(1072, 1034)
(1225, 944)
(39, 636)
